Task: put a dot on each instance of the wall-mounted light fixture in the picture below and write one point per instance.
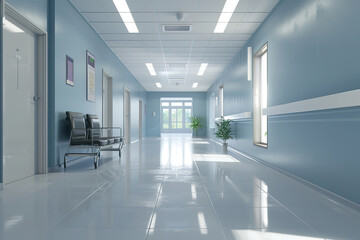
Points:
(250, 64)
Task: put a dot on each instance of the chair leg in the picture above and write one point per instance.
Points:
(96, 162)
(65, 161)
(97, 159)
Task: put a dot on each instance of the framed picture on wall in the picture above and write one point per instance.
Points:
(90, 77)
(69, 71)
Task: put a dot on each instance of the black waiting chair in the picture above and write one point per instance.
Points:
(90, 138)
(112, 134)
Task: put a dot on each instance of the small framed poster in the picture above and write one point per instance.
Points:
(69, 71)
(90, 77)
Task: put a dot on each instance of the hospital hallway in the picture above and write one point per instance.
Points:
(177, 186)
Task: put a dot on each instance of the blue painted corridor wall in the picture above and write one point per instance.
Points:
(74, 37)
(312, 52)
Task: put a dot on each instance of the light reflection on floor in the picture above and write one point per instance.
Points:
(174, 187)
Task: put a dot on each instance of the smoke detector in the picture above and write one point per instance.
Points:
(176, 81)
(180, 16)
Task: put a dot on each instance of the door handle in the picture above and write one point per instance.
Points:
(35, 98)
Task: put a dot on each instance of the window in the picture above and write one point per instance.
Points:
(176, 104)
(165, 114)
(188, 104)
(212, 106)
(260, 96)
(221, 101)
(175, 115)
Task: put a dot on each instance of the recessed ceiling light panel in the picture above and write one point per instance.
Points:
(158, 85)
(202, 69)
(151, 69)
(195, 84)
(126, 15)
(225, 15)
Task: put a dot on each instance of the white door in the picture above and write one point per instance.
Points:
(140, 119)
(19, 104)
(107, 101)
(127, 115)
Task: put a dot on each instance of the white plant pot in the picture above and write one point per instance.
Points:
(225, 146)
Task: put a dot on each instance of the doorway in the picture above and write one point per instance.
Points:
(175, 115)
(107, 101)
(140, 120)
(24, 95)
(127, 112)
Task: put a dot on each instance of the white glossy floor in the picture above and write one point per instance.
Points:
(171, 188)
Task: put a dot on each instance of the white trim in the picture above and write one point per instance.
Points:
(141, 118)
(110, 96)
(338, 100)
(42, 161)
(127, 90)
(250, 63)
(234, 117)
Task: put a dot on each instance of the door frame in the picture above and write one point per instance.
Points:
(41, 158)
(127, 141)
(110, 98)
(140, 119)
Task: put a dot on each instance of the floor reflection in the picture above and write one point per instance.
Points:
(174, 187)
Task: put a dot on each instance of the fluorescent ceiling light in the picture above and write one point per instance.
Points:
(11, 27)
(126, 15)
(158, 85)
(202, 69)
(195, 84)
(225, 15)
(151, 69)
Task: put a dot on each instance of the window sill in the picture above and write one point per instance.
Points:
(263, 145)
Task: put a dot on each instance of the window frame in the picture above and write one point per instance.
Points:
(171, 106)
(221, 101)
(257, 108)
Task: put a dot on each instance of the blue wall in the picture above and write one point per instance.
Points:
(153, 105)
(73, 36)
(312, 52)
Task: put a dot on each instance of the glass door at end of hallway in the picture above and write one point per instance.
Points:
(175, 116)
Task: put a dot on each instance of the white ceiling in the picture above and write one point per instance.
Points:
(152, 45)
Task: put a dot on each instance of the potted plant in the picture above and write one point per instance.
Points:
(223, 131)
(195, 123)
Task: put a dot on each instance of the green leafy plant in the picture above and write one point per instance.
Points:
(223, 129)
(195, 123)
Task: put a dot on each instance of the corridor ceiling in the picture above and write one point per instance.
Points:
(176, 56)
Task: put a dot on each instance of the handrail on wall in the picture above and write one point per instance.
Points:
(333, 101)
(239, 116)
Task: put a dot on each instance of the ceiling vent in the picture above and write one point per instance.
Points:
(176, 65)
(176, 28)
